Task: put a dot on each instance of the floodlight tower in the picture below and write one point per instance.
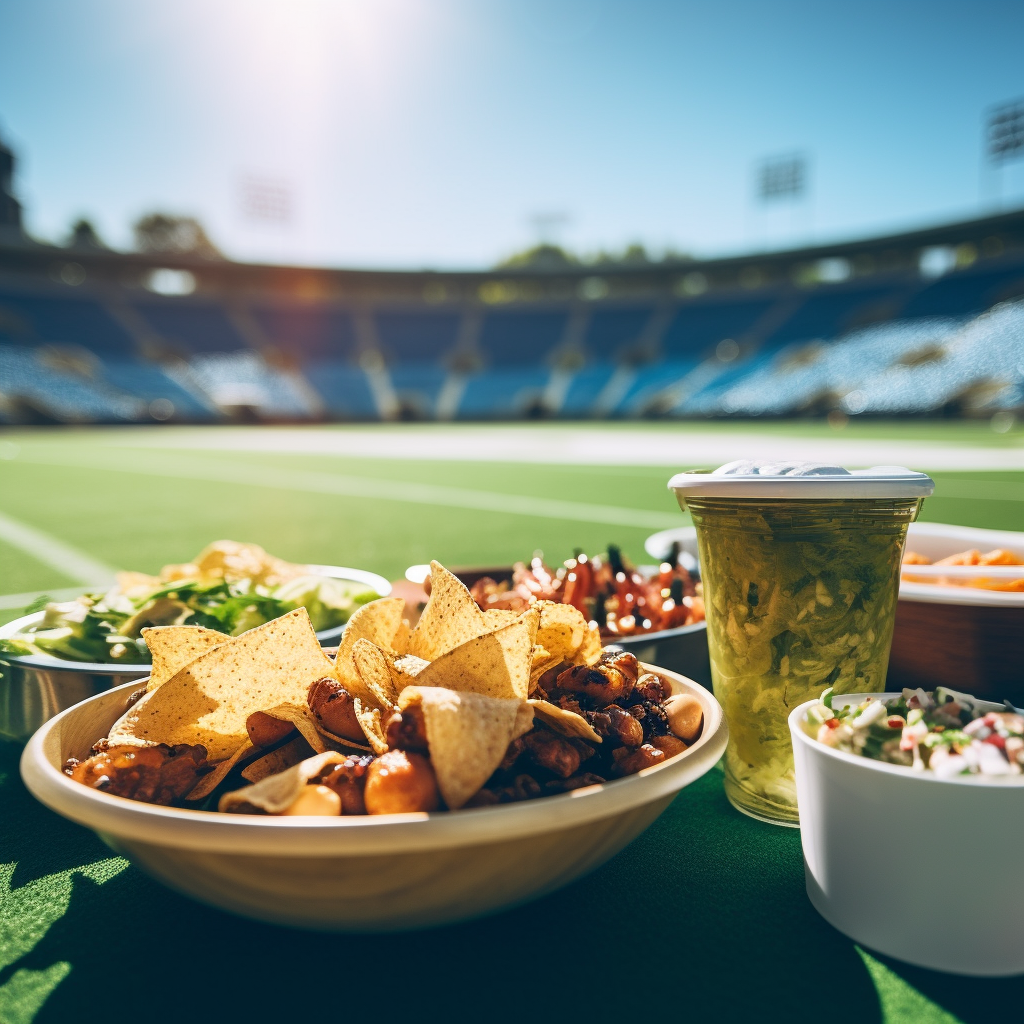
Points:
(10, 208)
(784, 178)
(1004, 140)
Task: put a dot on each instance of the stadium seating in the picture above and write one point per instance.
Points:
(521, 337)
(700, 324)
(309, 331)
(881, 337)
(191, 326)
(45, 316)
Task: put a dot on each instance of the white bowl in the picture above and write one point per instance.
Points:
(939, 540)
(380, 873)
(922, 869)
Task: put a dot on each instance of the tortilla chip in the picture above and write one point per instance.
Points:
(372, 725)
(496, 664)
(294, 751)
(408, 666)
(590, 650)
(208, 783)
(568, 723)
(129, 580)
(467, 733)
(542, 662)
(209, 699)
(379, 622)
(496, 617)
(450, 618)
(302, 718)
(276, 793)
(562, 629)
(401, 640)
(377, 685)
(173, 647)
(332, 741)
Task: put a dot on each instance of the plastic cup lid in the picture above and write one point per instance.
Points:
(788, 479)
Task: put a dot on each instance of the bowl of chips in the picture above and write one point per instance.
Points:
(222, 777)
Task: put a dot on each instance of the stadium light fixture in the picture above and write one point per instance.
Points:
(1004, 131)
(782, 177)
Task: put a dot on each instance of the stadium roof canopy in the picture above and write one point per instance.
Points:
(946, 246)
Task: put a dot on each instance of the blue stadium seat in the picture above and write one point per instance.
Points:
(703, 323)
(830, 312)
(586, 385)
(963, 292)
(344, 388)
(417, 336)
(63, 396)
(610, 330)
(191, 325)
(502, 393)
(59, 319)
(650, 380)
(418, 384)
(308, 331)
(521, 337)
(148, 382)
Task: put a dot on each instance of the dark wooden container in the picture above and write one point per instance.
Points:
(978, 649)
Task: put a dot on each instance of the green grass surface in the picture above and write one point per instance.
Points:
(704, 915)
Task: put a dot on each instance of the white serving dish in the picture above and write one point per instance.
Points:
(365, 873)
(922, 869)
(938, 540)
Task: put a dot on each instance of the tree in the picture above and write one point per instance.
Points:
(170, 233)
(541, 257)
(85, 236)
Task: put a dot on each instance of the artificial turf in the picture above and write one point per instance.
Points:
(704, 916)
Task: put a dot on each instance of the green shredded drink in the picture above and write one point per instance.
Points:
(800, 594)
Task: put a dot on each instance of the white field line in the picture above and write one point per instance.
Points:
(369, 488)
(69, 561)
(576, 446)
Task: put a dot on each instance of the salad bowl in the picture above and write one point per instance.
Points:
(35, 687)
(366, 873)
(918, 867)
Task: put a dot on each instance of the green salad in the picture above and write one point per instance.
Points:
(229, 587)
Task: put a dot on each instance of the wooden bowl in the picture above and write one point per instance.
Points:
(379, 873)
(967, 639)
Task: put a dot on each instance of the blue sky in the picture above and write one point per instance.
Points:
(432, 133)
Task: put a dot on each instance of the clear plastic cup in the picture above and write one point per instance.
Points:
(800, 594)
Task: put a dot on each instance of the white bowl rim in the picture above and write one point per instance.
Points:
(798, 714)
(138, 669)
(359, 835)
(934, 593)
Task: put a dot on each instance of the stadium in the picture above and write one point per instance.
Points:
(333, 289)
(925, 323)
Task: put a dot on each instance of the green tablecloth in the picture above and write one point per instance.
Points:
(704, 917)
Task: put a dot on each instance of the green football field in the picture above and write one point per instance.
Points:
(703, 917)
(136, 499)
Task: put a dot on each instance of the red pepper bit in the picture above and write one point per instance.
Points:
(833, 723)
(895, 722)
(996, 740)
